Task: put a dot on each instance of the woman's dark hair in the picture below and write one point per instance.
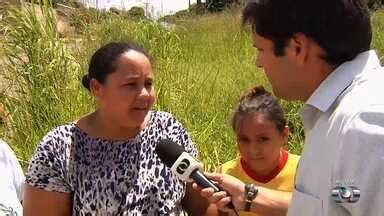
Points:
(341, 28)
(103, 61)
(261, 101)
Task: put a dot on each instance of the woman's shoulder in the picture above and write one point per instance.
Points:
(64, 128)
(165, 119)
(60, 134)
(162, 115)
(49, 166)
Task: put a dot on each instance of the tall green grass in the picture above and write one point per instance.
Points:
(378, 33)
(197, 74)
(201, 68)
(216, 66)
(42, 75)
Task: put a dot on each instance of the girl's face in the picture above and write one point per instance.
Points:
(127, 95)
(259, 142)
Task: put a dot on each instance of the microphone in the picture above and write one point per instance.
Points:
(183, 165)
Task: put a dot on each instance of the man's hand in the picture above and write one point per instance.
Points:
(233, 191)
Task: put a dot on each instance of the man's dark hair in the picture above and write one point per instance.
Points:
(103, 61)
(340, 27)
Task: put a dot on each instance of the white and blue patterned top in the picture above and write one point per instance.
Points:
(108, 177)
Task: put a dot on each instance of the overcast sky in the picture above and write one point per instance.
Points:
(155, 7)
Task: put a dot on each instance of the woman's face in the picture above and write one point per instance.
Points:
(259, 142)
(127, 95)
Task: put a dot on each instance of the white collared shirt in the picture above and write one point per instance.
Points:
(344, 145)
(11, 181)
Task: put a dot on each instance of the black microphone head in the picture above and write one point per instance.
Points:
(168, 151)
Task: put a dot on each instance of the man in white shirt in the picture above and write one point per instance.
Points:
(318, 52)
(344, 148)
(11, 181)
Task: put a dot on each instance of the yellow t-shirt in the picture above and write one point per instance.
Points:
(283, 181)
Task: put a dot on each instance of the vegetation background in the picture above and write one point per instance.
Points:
(203, 62)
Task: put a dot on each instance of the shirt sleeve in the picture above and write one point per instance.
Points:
(47, 169)
(9, 159)
(187, 142)
(360, 162)
(177, 133)
(18, 176)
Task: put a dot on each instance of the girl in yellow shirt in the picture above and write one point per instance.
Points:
(261, 132)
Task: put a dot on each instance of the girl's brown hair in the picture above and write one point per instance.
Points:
(259, 100)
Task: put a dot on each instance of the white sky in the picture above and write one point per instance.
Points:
(155, 7)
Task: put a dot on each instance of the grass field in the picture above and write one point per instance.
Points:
(201, 68)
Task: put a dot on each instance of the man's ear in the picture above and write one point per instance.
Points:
(299, 45)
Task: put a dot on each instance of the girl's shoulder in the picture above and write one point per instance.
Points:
(229, 166)
(293, 159)
(291, 164)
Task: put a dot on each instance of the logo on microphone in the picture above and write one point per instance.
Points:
(183, 166)
(345, 194)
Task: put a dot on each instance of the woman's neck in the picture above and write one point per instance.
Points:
(99, 125)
